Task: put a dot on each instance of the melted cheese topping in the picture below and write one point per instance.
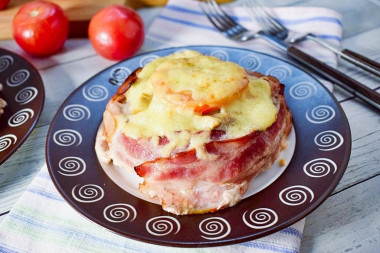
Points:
(151, 116)
(198, 82)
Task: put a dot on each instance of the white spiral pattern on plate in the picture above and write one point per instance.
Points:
(67, 137)
(95, 93)
(87, 193)
(20, 117)
(303, 90)
(163, 225)
(221, 54)
(120, 74)
(121, 212)
(18, 78)
(296, 195)
(328, 140)
(214, 228)
(281, 72)
(5, 62)
(320, 114)
(146, 59)
(319, 167)
(76, 112)
(71, 166)
(260, 218)
(26, 95)
(6, 141)
(250, 62)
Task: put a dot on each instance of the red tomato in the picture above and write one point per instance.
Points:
(3, 4)
(40, 28)
(116, 32)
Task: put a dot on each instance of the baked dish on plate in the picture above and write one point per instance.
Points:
(196, 129)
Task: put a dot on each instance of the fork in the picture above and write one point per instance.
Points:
(234, 31)
(275, 28)
(230, 28)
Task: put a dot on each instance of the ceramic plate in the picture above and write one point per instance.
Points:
(24, 93)
(322, 145)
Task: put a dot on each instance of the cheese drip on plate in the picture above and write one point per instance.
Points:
(186, 95)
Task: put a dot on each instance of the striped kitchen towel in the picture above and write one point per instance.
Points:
(41, 220)
(182, 22)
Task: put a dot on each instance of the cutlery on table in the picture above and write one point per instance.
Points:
(276, 29)
(234, 31)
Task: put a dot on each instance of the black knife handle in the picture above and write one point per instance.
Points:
(374, 66)
(332, 74)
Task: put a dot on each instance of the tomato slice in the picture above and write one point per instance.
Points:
(205, 109)
(200, 83)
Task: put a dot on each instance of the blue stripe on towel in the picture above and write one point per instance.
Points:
(330, 37)
(269, 247)
(66, 231)
(292, 231)
(245, 18)
(211, 28)
(43, 193)
(180, 21)
(307, 20)
(182, 9)
(8, 249)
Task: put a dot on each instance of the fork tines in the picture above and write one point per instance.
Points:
(220, 19)
(266, 20)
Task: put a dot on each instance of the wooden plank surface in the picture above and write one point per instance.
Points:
(346, 222)
(76, 11)
(79, 12)
(18, 172)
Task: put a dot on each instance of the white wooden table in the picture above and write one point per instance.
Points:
(348, 221)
